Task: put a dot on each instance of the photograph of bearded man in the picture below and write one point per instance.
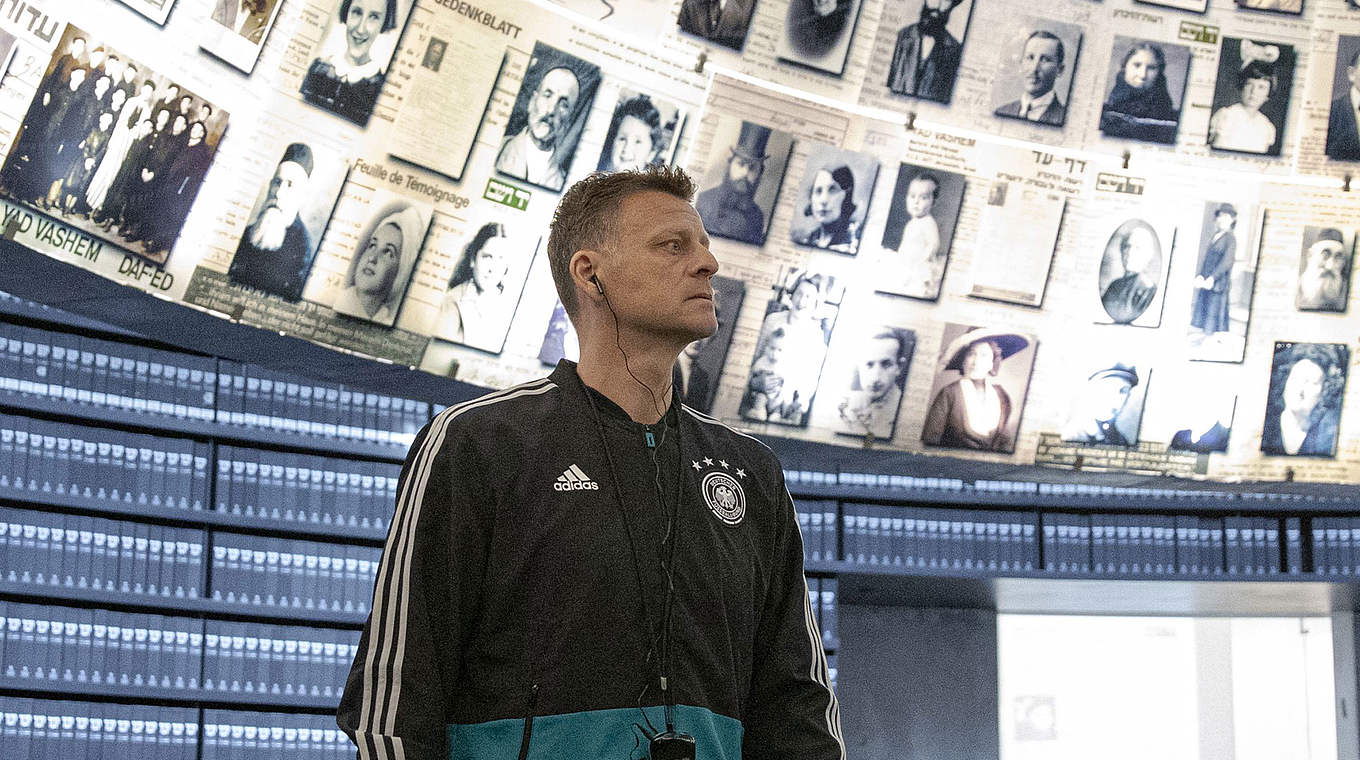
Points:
(926, 57)
(1324, 270)
(743, 180)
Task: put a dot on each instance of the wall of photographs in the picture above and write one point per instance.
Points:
(1108, 235)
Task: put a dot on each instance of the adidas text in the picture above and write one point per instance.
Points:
(576, 486)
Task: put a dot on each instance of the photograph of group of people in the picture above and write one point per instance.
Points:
(112, 147)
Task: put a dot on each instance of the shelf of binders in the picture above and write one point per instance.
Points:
(130, 385)
(269, 522)
(928, 491)
(43, 728)
(162, 695)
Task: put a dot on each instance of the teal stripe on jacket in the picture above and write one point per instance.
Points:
(603, 734)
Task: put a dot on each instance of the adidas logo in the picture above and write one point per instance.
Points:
(572, 479)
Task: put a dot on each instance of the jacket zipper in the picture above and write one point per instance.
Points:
(528, 723)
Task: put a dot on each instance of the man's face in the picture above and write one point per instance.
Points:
(1224, 222)
(96, 57)
(935, 15)
(827, 198)
(632, 147)
(1327, 258)
(920, 197)
(378, 261)
(551, 105)
(1303, 387)
(823, 7)
(658, 269)
(77, 47)
(185, 103)
(287, 189)
(179, 125)
(1139, 251)
(1039, 66)
(1106, 397)
(492, 263)
(878, 367)
(743, 174)
(162, 118)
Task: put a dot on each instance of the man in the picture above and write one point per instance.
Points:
(580, 563)
(275, 251)
(1102, 400)
(532, 153)
(1128, 296)
(926, 57)
(880, 369)
(1343, 136)
(729, 210)
(1324, 277)
(248, 18)
(724, 22)
(1041, 64)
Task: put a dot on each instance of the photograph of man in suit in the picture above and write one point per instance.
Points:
(1100, 405)
(723, 22)
(532, 153)
(729, 210)
(1041, 63)
(248, 18)
(1126, 297)
(926, 57)
(700, 363)
(276, 250)
(1343, 134)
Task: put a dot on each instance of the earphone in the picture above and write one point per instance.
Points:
(596, 279)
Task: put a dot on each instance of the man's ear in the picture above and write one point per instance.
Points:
(585, 265)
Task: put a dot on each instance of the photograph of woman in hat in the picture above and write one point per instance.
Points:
(745, 170)
(382, 264)
(970, 407)
(836, 190)
(1214, 274)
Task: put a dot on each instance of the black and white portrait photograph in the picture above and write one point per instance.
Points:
(1223, 283)
(156, 10)
(978, 394)
(1106, 404)
(927, 52)
(833, 199)
(746, 166)
(1303, 405)
(237, 30)
(1292, 7)
(1343, 134)
(113, 148)
(1034, 76)
(559, 339)
(1134, 264)
(1324, 269)
(485, 287)
(382, 262)
(643, 131)
(817, 33)
(278, 245)
(791, 347)
(1251, 96)
(1204, 418)
(1146, 87)
(546, 122)
(919, 232)
(351, 60)
(7, 41)
(699, 365)
(874, 378)
(722, 22)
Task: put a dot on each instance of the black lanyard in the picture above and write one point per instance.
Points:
(665, 554)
